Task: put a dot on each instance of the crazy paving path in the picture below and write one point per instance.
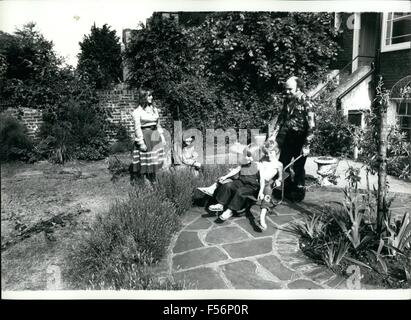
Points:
(236, 255)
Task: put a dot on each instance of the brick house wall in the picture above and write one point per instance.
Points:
(395, 65)
(345, 41)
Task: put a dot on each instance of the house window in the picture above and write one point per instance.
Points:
(396, 31)
(355, 118)
(404, 117)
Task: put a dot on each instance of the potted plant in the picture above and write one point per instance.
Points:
(327, 166)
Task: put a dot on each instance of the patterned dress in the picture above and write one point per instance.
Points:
(147, 129)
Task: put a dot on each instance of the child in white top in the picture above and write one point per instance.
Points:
(269, 168)
(189, 156)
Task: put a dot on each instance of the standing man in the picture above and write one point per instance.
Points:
(293, 132)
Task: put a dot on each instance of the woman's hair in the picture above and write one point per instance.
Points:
(142, 97)
(253, 151)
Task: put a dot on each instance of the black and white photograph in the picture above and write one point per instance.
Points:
(205, 150)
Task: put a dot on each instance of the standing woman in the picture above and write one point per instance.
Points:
(148, 151)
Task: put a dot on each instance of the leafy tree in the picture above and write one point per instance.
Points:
(29, 68)
(229, 70)
(159, 56)
(100, 57)
(259, 51)
(34, 76)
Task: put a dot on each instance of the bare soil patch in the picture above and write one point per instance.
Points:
(45, 210)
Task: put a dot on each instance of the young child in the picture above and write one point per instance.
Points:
(189, 155)
(269, 168)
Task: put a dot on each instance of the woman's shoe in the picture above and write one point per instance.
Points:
(216, 207)
(208, 190)
(226, 215)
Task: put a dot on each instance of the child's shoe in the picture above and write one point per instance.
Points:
(262, 225)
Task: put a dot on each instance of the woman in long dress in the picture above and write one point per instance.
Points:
(148, 151)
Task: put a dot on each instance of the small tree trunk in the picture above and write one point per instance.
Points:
(382, 167)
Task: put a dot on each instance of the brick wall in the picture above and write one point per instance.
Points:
(31, 118)
(118, 103)
(394, 66)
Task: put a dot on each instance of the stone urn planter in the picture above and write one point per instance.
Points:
(327, 166)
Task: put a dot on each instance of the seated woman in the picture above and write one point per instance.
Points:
(233, 196)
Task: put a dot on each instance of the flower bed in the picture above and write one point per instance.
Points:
(126, 243)
(344, 235)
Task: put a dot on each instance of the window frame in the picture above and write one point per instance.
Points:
(398, 116)
(391, 47)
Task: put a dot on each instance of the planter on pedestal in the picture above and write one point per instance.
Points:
(327, 166)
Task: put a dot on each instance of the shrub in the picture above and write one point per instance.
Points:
(343, 235)
(398, 152)
(134, 277)
(179, 185)
(133, 234)
(14, 142)
(333, 133)
(76, 127)
(123, 141)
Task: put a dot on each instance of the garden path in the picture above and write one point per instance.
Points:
(236, 255)
(395, 185)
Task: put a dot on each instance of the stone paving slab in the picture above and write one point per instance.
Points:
(187, 240)
(225, 234)
(283, 209)
(254, 231)
(303, 284)
(197, 258)
(283, 219)
(274, 265)
(242, 275)
(249, 248)
(201, 279)
(199, 224)
(192, 215)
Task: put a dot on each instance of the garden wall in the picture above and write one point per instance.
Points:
(118, 103)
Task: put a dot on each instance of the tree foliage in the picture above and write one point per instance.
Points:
(29, 67)
(229, 71)
(100, 57)
(35, 77)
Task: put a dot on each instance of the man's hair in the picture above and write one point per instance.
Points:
(300, 82)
